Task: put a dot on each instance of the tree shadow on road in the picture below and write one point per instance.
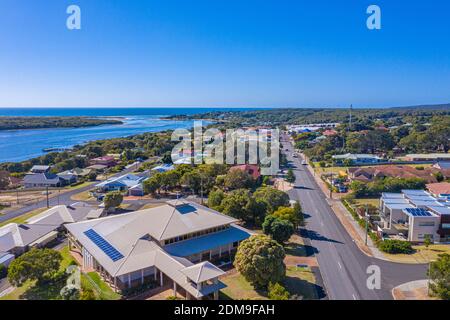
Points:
(313, 235)
(303, 188)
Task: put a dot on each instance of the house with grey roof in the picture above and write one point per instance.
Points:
(40, 169)
(356, 159)
(42, 180)
(41, 229)
(122, 183)
(180, 243)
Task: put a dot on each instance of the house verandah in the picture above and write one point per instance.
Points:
(166, 275)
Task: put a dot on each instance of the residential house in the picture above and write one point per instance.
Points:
(67, 178)
(356, 159)
(428, 157)
(40, 169)
(442, 165)
(163, 168)
(122, 183)
(180, 243)
(108, 161)
(79, 172)
(98, 168)
(41, 229)
(439, 190)
(329, 133)
(367, 174)
(42, 180)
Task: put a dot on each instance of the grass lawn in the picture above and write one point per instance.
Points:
(295, 247)
(239, 289)
(299, 281)
(370, 201)
(82, 196)
(23, 218)
(79, 186)
(29, 291)
(93, 281)
(421, 254)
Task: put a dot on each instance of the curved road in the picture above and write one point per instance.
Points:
(342, 265)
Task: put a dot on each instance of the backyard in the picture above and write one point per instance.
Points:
(51, 290)
(300, 280)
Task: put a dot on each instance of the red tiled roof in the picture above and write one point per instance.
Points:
(439, 188)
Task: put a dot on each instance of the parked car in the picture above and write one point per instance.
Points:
(304, 163)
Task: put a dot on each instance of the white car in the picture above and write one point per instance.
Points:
(304, 163)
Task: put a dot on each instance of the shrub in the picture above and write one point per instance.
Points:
(439, 273)
(277, 292)
(88, 294)
(396, 246)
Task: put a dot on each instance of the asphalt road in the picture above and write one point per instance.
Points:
(342, 265)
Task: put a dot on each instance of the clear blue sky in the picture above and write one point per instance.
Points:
(231, 53)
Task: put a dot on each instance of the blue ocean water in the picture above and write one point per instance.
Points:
(19, 145)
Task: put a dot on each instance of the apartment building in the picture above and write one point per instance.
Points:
(415, 215)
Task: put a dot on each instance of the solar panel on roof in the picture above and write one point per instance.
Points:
(104, 245)
(418, 212)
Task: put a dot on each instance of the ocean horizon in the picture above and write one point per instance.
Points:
(24, 144)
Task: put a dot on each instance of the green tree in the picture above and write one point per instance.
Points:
(215, 199)
(169, 179)
(272, 197)
(299, 217)
(260, 260)
(288, 214)
(192, 180)
(152, 184)
(277, 292)
(113, 200)
(92, 176)
(427, 241)
(439, 274)
(36, 264)
(439, 176)
(290, 176)
(235, 204)
(238, 179)
(279, 229)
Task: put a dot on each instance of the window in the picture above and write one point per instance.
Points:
(446, 226)
(426, 224)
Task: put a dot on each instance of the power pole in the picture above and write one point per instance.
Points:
(17, 196)
(331, 186)
(367, 222)
(46, 188)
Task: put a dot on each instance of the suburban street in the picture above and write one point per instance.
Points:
(342, 265)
